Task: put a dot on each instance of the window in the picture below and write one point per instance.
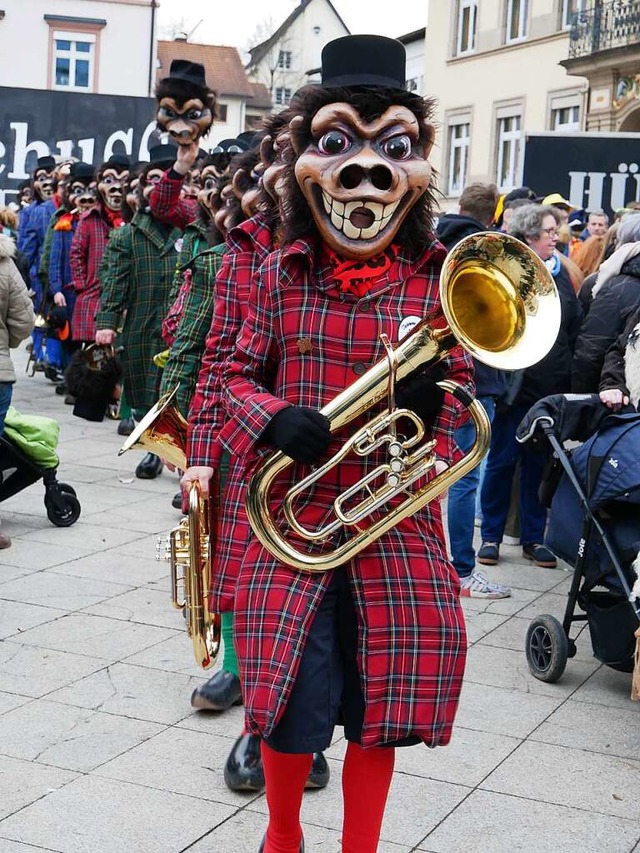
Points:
(517, 14)
(282, 96)
(566, 119)
(458, 157)
(284, 60)
(466, 35)
(221, 110)
(73, 58)
(509, 145)
(570, 8)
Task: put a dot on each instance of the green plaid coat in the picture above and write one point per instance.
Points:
(45, 257)
(185, 356)
(136, 275)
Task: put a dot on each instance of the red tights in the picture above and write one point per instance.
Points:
(366, 778)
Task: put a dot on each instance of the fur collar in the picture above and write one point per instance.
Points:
(7, 247)
(632, 366)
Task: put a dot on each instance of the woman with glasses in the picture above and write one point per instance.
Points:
(537, 226)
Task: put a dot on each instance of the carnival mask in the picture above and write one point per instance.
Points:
(246, 188)
(26, 196)
(209, 194)
(131, 197)
(275, 154)
(82, 196)
(191, 185)
(110, 187)
(361, 178)
(43, 183)
(149, 181)
(186, 122)
(223, 218)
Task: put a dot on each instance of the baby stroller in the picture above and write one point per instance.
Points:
(593, 493)
(27, 454)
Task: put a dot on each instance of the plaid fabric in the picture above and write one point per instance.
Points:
(412, 638)
(45, 257)
(59, 267)
(167, 206)
(87, 248)
(188, 346)
(194, 240)
(136, 274)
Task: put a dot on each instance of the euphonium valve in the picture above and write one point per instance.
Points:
(502, 306)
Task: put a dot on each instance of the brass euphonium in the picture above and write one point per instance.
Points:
(502, 306)
(163, 431)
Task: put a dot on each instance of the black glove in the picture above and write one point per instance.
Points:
(422, 395)
(301, 433)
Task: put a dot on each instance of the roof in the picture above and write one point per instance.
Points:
(261, 50)
(416, 35)
(261, 99)
(223, 67)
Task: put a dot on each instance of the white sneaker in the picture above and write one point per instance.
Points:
(478, 585)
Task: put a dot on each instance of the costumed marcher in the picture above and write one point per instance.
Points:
(247, 246)
(358, 259)
(89, 242)
(185, 102)
(136, 277)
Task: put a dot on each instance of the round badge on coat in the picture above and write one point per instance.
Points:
(178, 244)
(407, 325)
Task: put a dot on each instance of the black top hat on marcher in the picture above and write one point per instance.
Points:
(120, 160)
(163, 153)
(364, 60)
(81, 171)
(230, 146)
(47, 162)
(192, 72)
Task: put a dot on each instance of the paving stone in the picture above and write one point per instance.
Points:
(7, 846)
(30, 671)
(228, 723)
(540, 771)
(95, 814)
(148, 606)
(501, 824)
(513, 635)
(525, 576)
(16, 618)
(479, 623)
(23, 782)
(175, 654)
(9, 701)
(86, 533)
(519, 599)
(596, 728)
(116, 566)
(502, 710)
(132, 691)
(606, 687)
(68, 737)
(23, 554)
(111, 639)
(60, 591)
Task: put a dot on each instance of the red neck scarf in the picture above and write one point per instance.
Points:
(358, 277)
(113, 217)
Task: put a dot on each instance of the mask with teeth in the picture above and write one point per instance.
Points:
(361, 177)
(110, 186)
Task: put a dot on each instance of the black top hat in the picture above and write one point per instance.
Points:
(369, 61)
(47, 162)
(81, 171)
(251, 137)
(163, 153)
(192, 72)
(120, 160)
(230, 146)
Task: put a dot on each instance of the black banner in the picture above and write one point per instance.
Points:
(594, 171)
(34, 123)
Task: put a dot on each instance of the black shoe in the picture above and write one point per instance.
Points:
(264, 841)
(176, 501)
(319, 774)
(61, 389)
(126, 426)
(243, 770)
(220, 692)
(150, 467)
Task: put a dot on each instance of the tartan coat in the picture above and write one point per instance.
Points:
(33, 234)
(58, 266)
(136, 276)
(187, 349)
(167, 206)
(87, 247)
(193, 241)
(411, 637)
(45, 258)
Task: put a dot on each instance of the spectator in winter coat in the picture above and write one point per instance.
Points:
(620, 377)
(615, 296)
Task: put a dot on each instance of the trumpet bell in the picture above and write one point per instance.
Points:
(500, 300)
(163, 431)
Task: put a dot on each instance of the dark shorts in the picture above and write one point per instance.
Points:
(327, 689)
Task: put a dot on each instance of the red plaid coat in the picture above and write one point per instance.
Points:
(166, 204)
(412, 641)
(87, 248)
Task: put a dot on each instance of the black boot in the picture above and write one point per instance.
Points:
(220, 692)
(150, 467)
(176, 501)
(126, 426)
(243, 770)
(319, 774)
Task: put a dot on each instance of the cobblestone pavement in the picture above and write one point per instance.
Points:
(100, 751)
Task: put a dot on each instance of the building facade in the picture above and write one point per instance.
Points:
(494, 66)
(290, 57)
(102, 47)
(414, 44)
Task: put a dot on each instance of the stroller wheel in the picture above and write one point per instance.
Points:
(65, 487)
(66, 515)
(547, 648)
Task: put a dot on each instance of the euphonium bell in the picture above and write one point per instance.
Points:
(502, 306)
(163, 431)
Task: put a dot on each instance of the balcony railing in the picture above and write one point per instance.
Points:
(604, 26)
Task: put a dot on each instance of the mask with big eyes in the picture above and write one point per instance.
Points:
(26, 196)
(246, 188)
(110, 187)
(225, 213)
(184, 122)
(83, 196)
(209, 193)
(361, 178)
(43, 184)
(149, 181)
(191, 184)
(275, 155)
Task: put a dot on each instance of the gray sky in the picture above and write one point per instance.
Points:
(235, 22)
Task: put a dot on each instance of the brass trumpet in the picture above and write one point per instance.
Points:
(163, 431)
(502, 306)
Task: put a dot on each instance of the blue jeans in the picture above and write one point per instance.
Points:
(462, 500)
(6, 390)
(496, 488)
